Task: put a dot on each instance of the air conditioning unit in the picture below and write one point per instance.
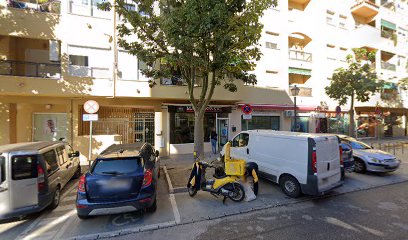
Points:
(289, 113)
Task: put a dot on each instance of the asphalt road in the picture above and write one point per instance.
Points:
(379, 213)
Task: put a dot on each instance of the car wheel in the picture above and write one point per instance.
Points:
(359, 166)
(56, 198)
(290, 186)
(78, 172)
(153, 207)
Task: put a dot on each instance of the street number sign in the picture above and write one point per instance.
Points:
(89, 117)
(91, 106)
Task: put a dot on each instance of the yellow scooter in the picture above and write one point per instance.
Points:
(222, 184)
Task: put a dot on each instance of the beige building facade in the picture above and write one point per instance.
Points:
(55, 56)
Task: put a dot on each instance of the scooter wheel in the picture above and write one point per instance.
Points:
(192, 191)
(238, 192)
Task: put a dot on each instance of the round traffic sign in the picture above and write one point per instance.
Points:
(247, 109)
(91, 106)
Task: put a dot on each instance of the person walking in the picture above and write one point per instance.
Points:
(213, 137)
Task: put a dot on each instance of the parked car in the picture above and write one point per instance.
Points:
(368, 159)
(347, 157)
(298, 162)
(123, 178)
(33, 174)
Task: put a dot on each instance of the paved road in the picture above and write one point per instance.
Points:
(379, 213)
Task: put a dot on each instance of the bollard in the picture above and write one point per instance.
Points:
(403, 145)
(394, 148)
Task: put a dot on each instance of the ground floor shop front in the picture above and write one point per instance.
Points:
(170, 126)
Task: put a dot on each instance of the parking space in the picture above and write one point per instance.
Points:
(63, 223)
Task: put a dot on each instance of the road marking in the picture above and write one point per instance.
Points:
(32, 225)
(43, 230)
(67, 224)
(69, 190)
(173, 202)
(69, 198)
(64, 208)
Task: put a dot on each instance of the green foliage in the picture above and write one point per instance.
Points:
(207, 41)
(403, 83)
(358, 80)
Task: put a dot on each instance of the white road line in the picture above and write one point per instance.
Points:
(32, 225)
(175, 208)
(173, 202)
(69, 191)
(69, 198)
(64, 208)
(66, 225)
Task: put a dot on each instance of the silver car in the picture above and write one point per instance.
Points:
(368, 159)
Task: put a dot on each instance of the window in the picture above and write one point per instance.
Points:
(69, 150)
(271, 45)
(117, 166)
(2, 169)
(50, 161)
(182, 127)
(261, 122)
(23, 167)
(61, 155)
(241, 140)
(342, 21)
(330, 17)
(78, 60)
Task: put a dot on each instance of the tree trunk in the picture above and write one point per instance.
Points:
(199, 136)
(352, 128)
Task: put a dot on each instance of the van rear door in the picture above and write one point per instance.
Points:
(23, 182)
(327, 162)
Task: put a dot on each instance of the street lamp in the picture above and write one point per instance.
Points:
(295, 91)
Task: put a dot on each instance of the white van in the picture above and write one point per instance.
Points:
(298, 162)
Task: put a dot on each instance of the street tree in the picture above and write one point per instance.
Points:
(201, 43)
(358, 81)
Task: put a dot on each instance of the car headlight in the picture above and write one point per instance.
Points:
(372, 159)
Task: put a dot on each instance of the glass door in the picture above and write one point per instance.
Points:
(222, 132)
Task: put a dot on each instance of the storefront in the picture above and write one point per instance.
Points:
(181, 126)
(330, 122)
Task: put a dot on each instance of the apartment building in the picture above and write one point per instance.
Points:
(55, 55)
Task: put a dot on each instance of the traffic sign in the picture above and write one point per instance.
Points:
(91, 106)
(247, 109)
(89, 117)
(338, 109)
(247, 116)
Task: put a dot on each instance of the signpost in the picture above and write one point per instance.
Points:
(91, 107)
(247, 111)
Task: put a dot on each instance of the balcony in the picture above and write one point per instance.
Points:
(51, 6)
(298, 4)
(388, 66)
(91, 72)
(303, 92)
(30, 69)
(300, 56)
(365, 9)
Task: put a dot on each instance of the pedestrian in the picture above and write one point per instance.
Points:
(213, 138)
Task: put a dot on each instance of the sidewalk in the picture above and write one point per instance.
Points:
(179, 168)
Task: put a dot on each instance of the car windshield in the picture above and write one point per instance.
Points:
(358, 145)
(116, 166)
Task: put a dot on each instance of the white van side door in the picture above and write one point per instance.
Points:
(23, 182)
(239, 148)
(4, 191)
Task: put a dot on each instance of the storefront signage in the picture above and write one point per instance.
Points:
(247, 109)
(189, 109)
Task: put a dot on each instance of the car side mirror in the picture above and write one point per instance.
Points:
(157, 153)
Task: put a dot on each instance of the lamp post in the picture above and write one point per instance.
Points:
(295, 91)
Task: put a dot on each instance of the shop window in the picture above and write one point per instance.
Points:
(182, 127)
(366, 126)
(302, 124)
(261, 122)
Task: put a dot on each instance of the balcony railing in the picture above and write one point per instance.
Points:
(388, 66)
(365, 8)
(51, 6)
(300, 55)
(92, 72)
(30, 69)
(303, 92)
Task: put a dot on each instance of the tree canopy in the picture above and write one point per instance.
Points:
(204, 43)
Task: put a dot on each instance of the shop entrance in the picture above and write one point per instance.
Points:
(222, 124)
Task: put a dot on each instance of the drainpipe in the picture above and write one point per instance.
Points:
(115, 53)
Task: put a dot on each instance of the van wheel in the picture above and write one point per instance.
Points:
(56, 198)
(290, 186)
(359, 166)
